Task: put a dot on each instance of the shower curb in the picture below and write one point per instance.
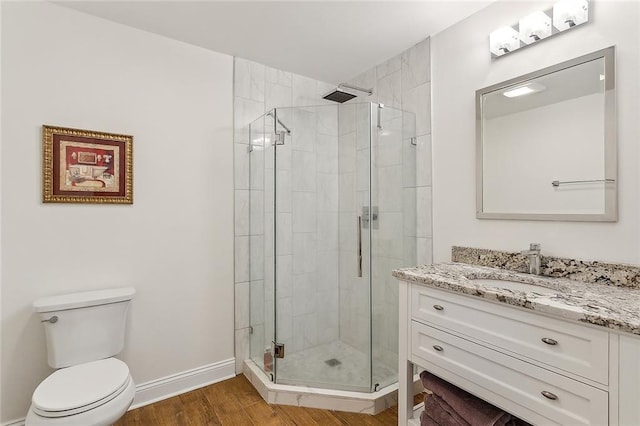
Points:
(326, 399)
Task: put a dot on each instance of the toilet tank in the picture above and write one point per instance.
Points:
(85, 326)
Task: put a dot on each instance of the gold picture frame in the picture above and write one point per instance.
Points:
(86, 166)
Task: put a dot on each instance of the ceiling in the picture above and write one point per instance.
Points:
(330, 41)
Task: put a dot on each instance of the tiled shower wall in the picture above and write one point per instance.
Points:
(402, 82)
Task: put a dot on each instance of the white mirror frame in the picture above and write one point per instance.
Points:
(610, 155)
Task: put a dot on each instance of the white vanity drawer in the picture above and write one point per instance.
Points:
(512, 384)
(580, 350)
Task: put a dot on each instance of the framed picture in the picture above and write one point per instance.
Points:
(84, 166)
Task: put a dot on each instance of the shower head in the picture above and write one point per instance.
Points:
(339, 95)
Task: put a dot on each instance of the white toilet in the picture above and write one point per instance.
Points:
(84, 331)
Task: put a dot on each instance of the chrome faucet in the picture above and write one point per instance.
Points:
(534, 258)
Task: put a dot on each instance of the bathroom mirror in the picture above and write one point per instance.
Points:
(546, 143)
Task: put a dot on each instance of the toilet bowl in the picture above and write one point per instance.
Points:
(95, 393)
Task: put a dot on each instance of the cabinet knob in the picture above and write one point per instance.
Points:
(438, 307)
(549, 341)
(438, 348)
(549, 395)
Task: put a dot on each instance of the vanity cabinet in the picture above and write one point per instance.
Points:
(543, 369)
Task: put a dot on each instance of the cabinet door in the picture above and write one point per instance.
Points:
(629, 393)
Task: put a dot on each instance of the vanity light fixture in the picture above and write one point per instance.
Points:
(564, 15)
(534, 27)
(569, 13)
(503, 40)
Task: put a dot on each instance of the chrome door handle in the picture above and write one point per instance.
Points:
(549, 341)
(549, 395)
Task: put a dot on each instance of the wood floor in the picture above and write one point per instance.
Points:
(235, 402)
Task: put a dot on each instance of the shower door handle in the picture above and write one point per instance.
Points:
(359, 246)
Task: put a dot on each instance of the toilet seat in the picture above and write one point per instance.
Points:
(74, 390)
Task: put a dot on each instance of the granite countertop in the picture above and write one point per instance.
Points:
(616, 308)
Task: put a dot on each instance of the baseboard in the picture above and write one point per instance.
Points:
(176, 384)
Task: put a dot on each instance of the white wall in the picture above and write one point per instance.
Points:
(461, 64)
(174, 244)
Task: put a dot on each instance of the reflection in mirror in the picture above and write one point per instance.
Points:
(546, 143)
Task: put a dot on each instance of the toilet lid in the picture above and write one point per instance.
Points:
(81, 387)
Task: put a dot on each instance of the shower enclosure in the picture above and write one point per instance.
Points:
(332, 212)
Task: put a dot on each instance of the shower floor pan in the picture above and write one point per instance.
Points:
(334, 364)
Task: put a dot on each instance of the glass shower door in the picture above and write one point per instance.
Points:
(393, 233)
(322, 303)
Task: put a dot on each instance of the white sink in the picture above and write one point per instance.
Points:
(514, 285)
